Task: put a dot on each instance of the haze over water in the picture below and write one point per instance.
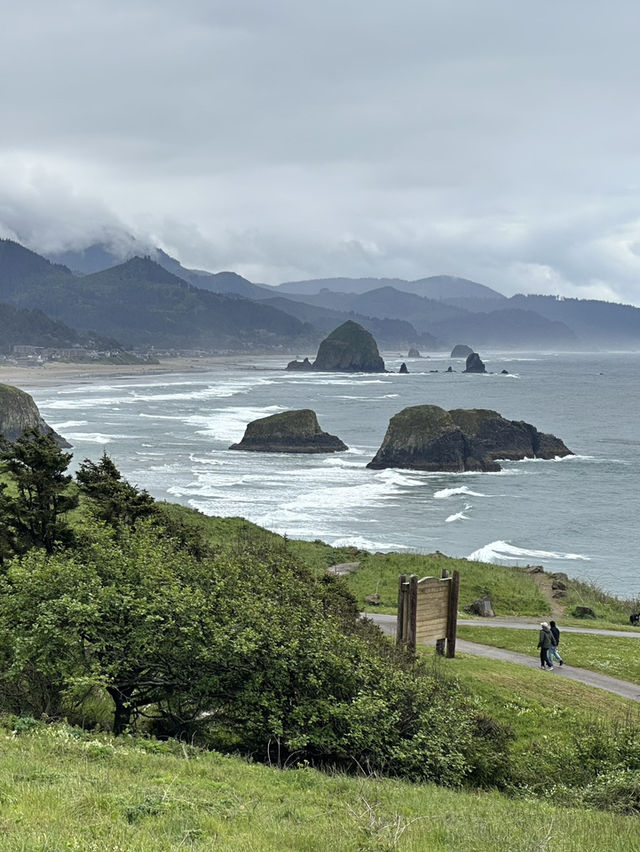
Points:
(170, 434)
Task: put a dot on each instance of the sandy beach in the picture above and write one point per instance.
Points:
(55, 372)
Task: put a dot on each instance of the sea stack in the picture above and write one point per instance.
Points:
(289, 432)
(18, 412)
(461, 350)
(426, 437)
(350, 348)
(475, 364)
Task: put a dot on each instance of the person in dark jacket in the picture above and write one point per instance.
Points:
(545, 643)
(555, 641)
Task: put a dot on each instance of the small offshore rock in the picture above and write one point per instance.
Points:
(403, 368)
(414, 353)
(300, 365)
(289, 432)
(475, 364)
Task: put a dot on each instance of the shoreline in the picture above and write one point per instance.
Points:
(54, 373)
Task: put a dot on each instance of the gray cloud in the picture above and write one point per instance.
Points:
(290, 139)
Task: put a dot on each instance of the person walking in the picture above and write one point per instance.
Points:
(555, 641)
(544, 643)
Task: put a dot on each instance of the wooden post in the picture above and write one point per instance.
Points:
(452, 625)
(413, 613)
(440, 643)
(400, 637)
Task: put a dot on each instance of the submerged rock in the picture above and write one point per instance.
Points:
(426, 437)
(18, 412)
(289, 432)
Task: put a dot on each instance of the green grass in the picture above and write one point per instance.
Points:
(512, 591)
(61, 789)
(533, 703)
(617, 656)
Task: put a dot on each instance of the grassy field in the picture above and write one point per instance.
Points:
(512, 590)
(617, 656)
(62, 789)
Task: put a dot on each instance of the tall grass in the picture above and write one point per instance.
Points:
(61, 789)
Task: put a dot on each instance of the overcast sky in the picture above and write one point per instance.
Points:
(288, 139)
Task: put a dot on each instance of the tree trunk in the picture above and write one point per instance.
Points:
(122, 711)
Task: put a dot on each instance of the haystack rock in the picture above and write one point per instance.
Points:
(350, 348)
(414, 353)
(426, 437)
(403, 368)
(18, 412)
(289, 432)
(475, 364)
(461, 350)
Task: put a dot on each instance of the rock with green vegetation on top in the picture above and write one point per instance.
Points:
(18, 413)
(289, 432)
(426, 437)
(350, 348)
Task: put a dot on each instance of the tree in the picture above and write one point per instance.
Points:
(114, 499)
(34, 516)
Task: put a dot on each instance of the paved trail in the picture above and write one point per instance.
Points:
(387, 623)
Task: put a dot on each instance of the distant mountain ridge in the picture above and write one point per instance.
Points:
(439, 287)
(433, 312)
(142, 304)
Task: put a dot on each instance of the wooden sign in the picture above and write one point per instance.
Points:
(428, 611)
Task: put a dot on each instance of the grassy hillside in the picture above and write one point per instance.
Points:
(65, 789)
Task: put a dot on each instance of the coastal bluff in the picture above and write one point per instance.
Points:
(18, 412)
(289, 432)
(427, 437)
(350, 348)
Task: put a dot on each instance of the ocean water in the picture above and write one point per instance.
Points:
(170, 435)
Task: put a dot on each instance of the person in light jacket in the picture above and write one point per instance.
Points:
(545, 643)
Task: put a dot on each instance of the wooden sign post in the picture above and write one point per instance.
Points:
(428, 611)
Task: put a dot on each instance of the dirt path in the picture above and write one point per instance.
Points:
(545, 583)
(387, 623)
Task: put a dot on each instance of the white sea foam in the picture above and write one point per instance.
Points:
(366, 544)
(93, 437)
(68, 424)
(445, 493)
(229, 424)
(336, 461)
(393, 476)
(356, 381)
(459, 516)
(502, 551)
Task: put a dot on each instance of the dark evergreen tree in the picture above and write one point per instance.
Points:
(34, 517)
(114, 499)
